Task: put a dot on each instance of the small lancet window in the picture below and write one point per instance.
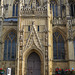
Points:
(28, 28)
(38, 28)
(15, 10)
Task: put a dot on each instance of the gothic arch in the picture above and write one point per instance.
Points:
(25, 56)
(4, 38)
(57, 29)
(60, 31)
(6, 32)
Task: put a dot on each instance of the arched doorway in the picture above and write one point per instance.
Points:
(33, 64)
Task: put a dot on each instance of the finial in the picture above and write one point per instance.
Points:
(33, 22)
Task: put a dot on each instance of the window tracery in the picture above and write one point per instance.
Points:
(15, 10)
(54, 8)
(72, 7)
(10, 46)
(58, 46)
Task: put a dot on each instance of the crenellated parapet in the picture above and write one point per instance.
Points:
(28, 11)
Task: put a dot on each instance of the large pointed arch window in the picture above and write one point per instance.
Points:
(10, 46)
(58, 46)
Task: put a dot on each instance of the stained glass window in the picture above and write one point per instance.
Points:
(15, 10)
(58, 46)
(38, 28)
(54, 8)
(28, 28)
(10, 46)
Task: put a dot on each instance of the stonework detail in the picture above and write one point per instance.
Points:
(33, 39)
(70, 37)
(34, 22)
(40, 11)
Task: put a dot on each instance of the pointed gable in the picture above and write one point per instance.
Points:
(33, 39)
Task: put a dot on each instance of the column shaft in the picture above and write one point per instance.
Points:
(69, 36)
(50, 44)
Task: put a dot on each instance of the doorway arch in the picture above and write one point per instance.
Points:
(25, 57)
(33, 64)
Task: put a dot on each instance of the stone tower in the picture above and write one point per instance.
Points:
(35, 35)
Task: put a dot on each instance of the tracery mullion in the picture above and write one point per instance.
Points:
(57, 47)
(73, 9)
(15, 48)
(11, 51)
(7, 48)
(60, 48)
(63, 48)
(63, 52)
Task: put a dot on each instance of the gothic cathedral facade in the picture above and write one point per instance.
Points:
(37, 36)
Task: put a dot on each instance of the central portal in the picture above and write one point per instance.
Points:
(33, 64)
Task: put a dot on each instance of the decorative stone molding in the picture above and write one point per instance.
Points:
(21, 40)
(70, 35)
(29, 11)
(33, 40)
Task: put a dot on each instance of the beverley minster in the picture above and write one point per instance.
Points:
(37, 37)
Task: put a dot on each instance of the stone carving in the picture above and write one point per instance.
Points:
(33, 40)
(29, 11)
(21, 40)
(70, 32)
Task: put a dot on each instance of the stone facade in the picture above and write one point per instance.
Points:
(34, 26)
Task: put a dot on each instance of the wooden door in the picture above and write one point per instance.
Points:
(33, 64)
